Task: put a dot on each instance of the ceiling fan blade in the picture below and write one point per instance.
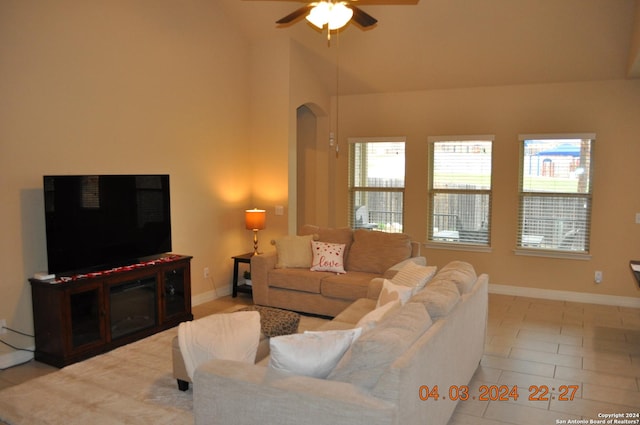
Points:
(361, 17)
(295, 15)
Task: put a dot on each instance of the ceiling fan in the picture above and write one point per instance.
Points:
(337, 13)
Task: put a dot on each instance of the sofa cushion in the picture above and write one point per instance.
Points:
(297, 279)
(375, 350)
(329, 234)
(294, 251)
(391, 292)
(459, 272)
(311, 353)
(414, 275)
(375, 252)
(327, 257)
(349, 286)
(439, 298)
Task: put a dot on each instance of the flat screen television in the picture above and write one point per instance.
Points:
(96, 222)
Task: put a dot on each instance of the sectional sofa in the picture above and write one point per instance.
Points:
(434, 341)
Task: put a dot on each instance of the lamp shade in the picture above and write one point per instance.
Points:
(254, 219)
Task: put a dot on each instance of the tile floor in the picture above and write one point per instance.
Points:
(592, 352)
(543, 344)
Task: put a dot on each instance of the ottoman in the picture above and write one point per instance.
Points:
(273, 322)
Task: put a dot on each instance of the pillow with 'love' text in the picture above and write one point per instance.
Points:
(327, 257)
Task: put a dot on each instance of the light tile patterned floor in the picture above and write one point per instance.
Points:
(531, 343)
(539, 344)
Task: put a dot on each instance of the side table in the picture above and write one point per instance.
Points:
(237, 259)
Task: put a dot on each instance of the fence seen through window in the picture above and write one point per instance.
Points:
(460, 190)
(376, 184)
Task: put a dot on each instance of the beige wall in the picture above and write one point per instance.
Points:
(281, 83)
(611, 109)
(173, 88)
(267, 161)
(123, 87)
(308, 166)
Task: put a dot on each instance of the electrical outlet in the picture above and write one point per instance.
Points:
(597, 277)
(206, 272)
(3, 325)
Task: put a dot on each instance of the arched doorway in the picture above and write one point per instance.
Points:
(310, 123)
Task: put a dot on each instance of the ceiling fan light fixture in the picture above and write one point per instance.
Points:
(336, 15)
(319, 14)
(340, 15)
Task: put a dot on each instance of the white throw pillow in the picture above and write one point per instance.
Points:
(327, 257)
(414, 275)
(391, 292)
(231, 336)
(313, 354)
(293, 251)
(370, 319)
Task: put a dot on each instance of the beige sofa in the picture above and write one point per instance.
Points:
(435, 339)
(368, 255)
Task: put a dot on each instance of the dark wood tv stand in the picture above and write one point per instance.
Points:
(84, 315)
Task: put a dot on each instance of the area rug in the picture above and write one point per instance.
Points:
(132, 384)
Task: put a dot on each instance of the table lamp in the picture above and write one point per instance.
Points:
(254, 220)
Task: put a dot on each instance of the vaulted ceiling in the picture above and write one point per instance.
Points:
(444, 44)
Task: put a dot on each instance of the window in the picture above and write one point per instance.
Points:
(460, 190)
(555, 192)
(376, 183)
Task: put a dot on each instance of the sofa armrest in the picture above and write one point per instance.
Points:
(234, 393)
(415, 249)
(260, 266)
(375, 287)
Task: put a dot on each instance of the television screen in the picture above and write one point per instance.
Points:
(102, 221)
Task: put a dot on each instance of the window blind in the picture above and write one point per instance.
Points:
(555, 192)
(376, 183)
(460, 189)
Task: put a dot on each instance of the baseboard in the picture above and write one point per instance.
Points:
(210, 296)
(15, 357)
(552, 294)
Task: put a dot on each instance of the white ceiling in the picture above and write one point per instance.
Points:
(444, 44)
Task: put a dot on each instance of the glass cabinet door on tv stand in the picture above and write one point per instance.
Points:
(175, 296)
(87, 318)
